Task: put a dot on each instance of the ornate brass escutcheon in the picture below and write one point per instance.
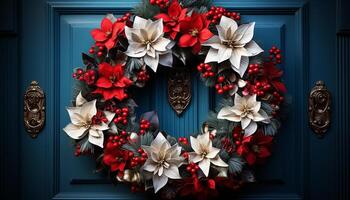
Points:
(34, 109)
(179, 90)
(319, 108)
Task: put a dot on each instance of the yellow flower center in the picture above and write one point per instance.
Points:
(194, 32)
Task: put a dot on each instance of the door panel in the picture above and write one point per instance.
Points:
(281, 175)
(68, 26)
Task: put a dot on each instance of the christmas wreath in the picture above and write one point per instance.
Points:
(127, 52)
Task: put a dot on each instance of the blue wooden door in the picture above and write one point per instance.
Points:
(54, 33)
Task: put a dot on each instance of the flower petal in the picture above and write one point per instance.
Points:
(152, 62)
(214, 42)
(75, 132)
(98, 35)
(226, 113)
(204, 165)
(109, 115)
(204, 35)
(149, 166)
(235, 58)
(80, 100)
(74, 115)
(98, 141)
(250, 130)
(187, 40)
(195, 145)
(245, 122)
(172, 172)
(194, 157)
(88, 110)
(159, 182)
(224, 54)
(161, 44)
(218, 162)
(106, 25)
(228, 23)
(166, 59)
(253, 48)
(243, 66)
(214, 152)
(103, 82)
(139, 22)
(245, 33)
(158, 142)
(212, 56)
(136, 50)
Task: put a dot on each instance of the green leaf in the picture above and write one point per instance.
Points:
(146, 10)
(235, 165)
(131, 148)
(147, 139)
(89, 61)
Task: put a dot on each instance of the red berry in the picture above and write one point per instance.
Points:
(221, 79)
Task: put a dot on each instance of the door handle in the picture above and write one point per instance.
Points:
(320, 109)
(34, 109)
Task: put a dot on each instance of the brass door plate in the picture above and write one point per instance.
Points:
(34, 109)
(179, 90)
(320, 109)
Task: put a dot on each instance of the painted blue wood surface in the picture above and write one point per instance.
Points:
(55, 33)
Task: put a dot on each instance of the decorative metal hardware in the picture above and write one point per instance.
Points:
(319, 108)
(34, 109)
(179, 90)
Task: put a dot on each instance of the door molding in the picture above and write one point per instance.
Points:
(57, 9)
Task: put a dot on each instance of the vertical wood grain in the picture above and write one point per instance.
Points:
(343, 109)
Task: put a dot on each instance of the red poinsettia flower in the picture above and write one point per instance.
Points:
(255, 147)
(115, 158)
(172, 20)
(195, 32)
(112, 82)
(274, 74)
(108, 33)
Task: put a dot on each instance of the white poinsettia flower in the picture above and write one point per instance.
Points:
(146, 41)
(233, 43)
(247, 111)
(163, 161)
(204, 153)
(81, 122)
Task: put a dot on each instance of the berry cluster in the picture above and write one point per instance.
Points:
(124, 18)
(78, 151)
(237, 134)
(100, 50)
(260, 88)
(88, 76)
(186, 155)
(160, 3)
(192, 168)
(227, 145)
(206, 70)
(222, 86)
(144, 126)
(277, 98)
(183, 140)
(99, 118)
(138, 160)
(118, 140)
(275, 55)
(215, 14)
(121, 115)
(254, 69)
(143, 76)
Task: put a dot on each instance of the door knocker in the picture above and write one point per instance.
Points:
(179, 90)
(320, 109)
(34, 109)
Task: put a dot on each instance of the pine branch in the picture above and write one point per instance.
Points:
(146, 10)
